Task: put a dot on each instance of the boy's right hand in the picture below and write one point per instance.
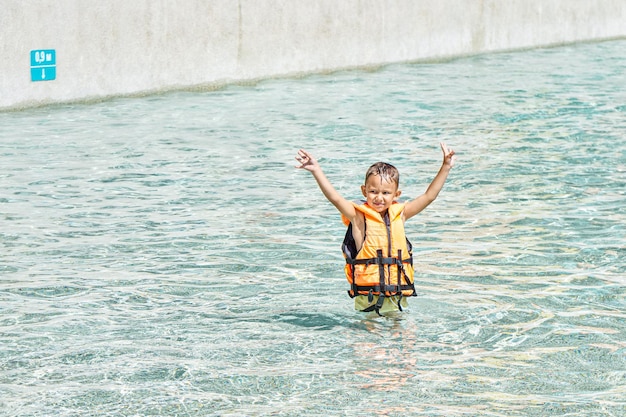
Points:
(307, 161)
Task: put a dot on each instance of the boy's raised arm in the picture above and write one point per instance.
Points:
(309, 163)
(420, 203)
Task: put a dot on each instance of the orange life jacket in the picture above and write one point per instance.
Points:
(384, 265)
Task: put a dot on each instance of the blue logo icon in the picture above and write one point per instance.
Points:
(43, 65)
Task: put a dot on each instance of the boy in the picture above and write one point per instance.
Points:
(379, 262)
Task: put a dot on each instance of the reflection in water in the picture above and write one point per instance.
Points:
(389, 352)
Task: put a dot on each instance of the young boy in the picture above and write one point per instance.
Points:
(379, 261)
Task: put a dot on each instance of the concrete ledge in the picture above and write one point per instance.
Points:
(120, 47)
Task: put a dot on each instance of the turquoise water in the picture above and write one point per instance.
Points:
(162, 257)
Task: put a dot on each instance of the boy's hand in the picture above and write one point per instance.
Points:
(448, 155)
(307, 161)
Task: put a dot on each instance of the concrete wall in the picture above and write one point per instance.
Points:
(119, 47)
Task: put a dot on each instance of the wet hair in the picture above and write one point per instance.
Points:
(385, 171)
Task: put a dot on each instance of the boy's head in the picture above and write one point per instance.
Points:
(381, 186)
(385, 171)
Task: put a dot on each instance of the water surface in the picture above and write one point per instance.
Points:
(161, 256)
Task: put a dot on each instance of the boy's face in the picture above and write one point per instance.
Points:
(380, 193)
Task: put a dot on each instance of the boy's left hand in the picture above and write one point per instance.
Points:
(448, 155)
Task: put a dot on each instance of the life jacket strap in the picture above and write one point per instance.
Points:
(383, 260)
(377, 289)
(376, 307)
(382, 289)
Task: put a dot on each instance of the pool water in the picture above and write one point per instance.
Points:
(161, 256)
